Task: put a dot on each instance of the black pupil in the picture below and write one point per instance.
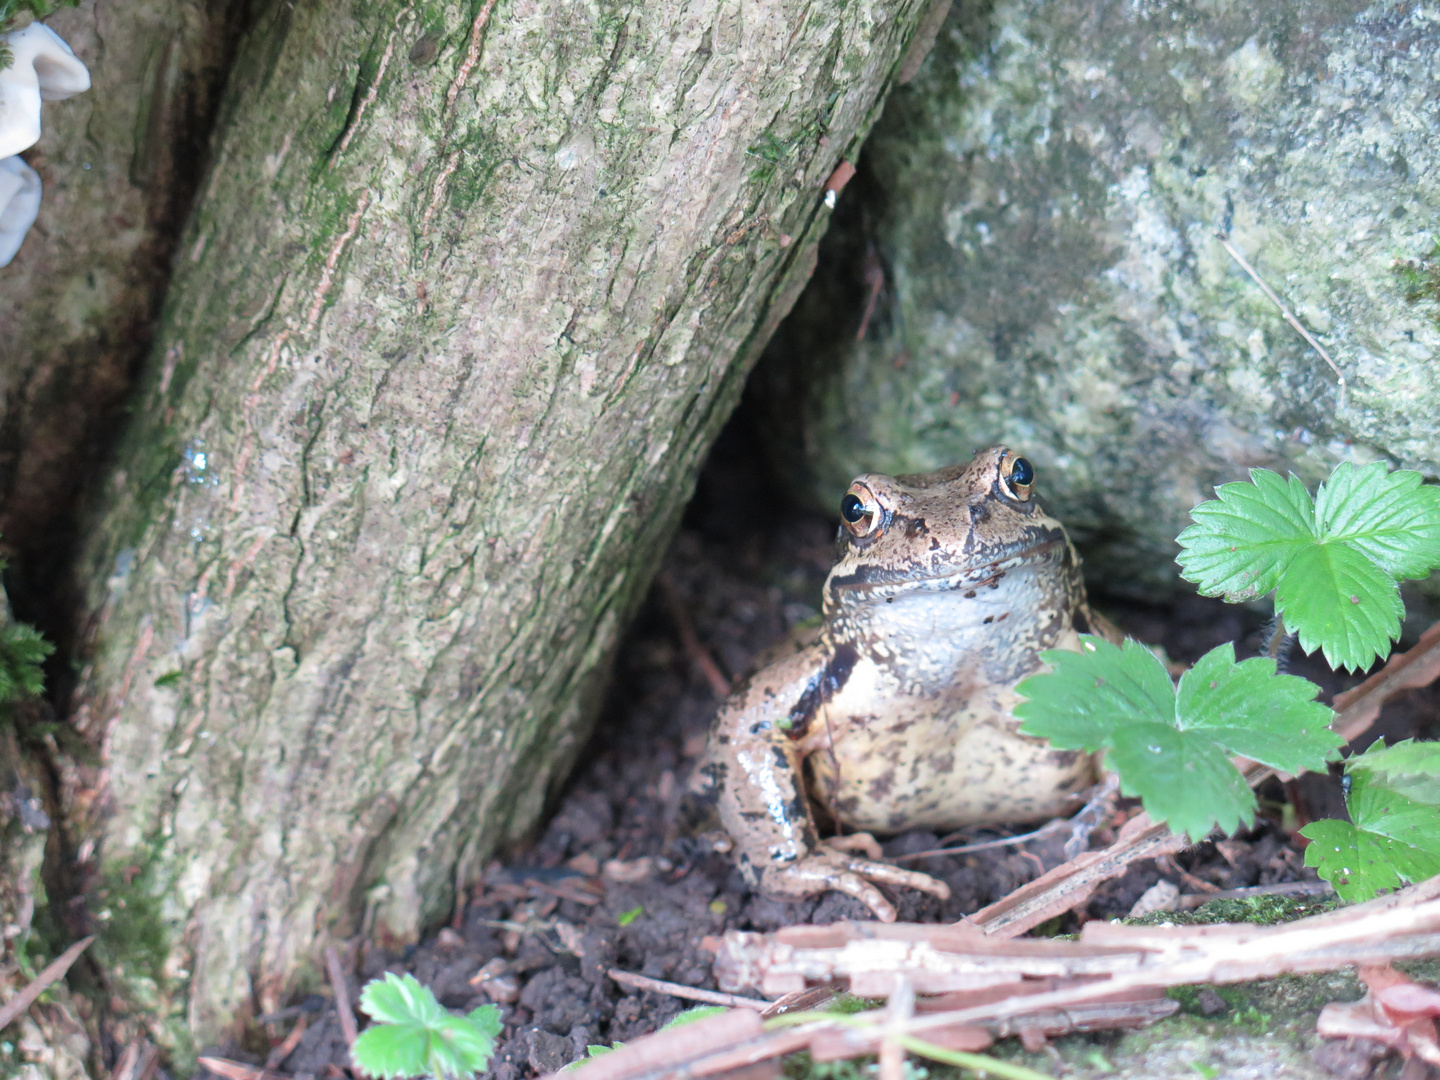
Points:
(1021, 472)
(852, 509)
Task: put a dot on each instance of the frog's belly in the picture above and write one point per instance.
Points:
(918, 767)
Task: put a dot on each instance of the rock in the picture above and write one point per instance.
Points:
(1036, 217)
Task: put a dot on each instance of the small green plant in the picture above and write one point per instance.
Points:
(1333, 563)
(625, 918)
(1393, 835)
(22, 651)
(1171, 746)
(415, 1036)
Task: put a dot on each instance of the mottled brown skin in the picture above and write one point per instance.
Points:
(900, 713)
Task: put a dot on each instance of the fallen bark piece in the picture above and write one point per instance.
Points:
(1109, 959)
(1396, 1011)
(1071, 884)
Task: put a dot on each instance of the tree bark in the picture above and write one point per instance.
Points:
(120, 164)
(466, 296)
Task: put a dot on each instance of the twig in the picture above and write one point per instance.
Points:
(1357, 709)
(984, 845)
(689, 993)
(13, 1009)
(342, 995)
(238, 1070)
(1073, 883)
(1285, 312)
(900, 1008)
(284, 1049)
(125, 1066)
(697, 652)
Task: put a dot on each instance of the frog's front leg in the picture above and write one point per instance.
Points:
(753, 767)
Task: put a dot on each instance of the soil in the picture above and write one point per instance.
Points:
(615, 880)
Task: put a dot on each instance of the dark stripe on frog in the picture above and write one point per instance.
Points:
(821, 689)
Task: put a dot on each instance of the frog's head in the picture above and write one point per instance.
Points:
(965, 527)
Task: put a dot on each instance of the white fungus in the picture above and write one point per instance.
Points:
(42, 68)
(19, 203)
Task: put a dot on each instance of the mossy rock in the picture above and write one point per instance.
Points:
(1043, 205)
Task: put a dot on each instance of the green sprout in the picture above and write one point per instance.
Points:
(415, 1036)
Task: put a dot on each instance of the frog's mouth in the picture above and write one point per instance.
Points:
(873, 584)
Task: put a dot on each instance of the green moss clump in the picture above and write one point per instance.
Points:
(1262, 910)
(1420, 277)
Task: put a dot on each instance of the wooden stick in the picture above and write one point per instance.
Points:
(238, 1070)
(342, 995)
(13, 1009)
(690, 640)
(1357, 709)
(690, 993)
(284, 1049)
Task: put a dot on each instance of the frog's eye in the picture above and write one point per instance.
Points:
(1016, 476)
(860, 511)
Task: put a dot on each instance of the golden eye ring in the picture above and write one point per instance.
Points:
(860, 513)
(1017, 476)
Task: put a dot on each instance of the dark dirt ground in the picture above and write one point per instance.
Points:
(614, 876)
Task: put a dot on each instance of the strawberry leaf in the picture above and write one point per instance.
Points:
(1172, 749)
(1182, 777)
(415, 1036)
(1392, 518)
(1079, 704)
(1389, 840)
(1410, 768)
(1243, 539)
(1333, 562)
(1252, 711)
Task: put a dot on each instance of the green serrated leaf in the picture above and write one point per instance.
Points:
(487, 1020)
(400, 999)
(1252, 711)
(1183, 777)
(1391, 517)
(1338, 601)
(1243, 539)
(1172, 749)
(1390, 839)
(1332, 563)
(1409, 768)
(416, 1036)
(1079, 703)
(389, 1050)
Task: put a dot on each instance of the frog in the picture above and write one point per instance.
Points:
(897, 711)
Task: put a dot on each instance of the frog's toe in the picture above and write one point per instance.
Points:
(893, 875)
(822, 871)
(862, 842)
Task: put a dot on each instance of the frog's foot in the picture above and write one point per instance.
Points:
(827, 869)
(862, 842)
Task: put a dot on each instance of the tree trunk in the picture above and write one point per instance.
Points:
(465, 298)
(120, 165)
